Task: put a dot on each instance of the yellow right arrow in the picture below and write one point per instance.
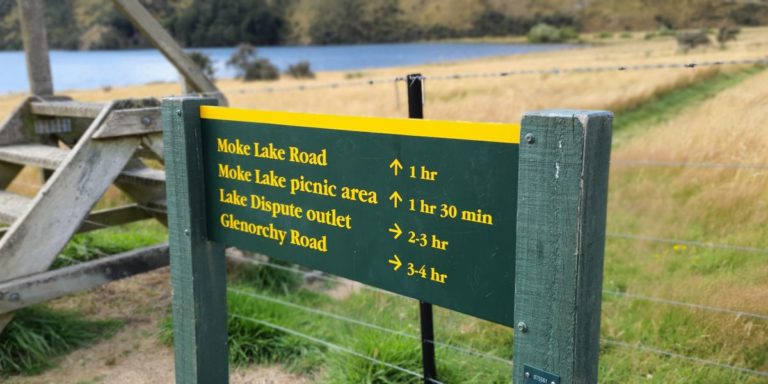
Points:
(396, 230)
(396, 262)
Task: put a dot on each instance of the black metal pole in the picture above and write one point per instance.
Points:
(416, 111)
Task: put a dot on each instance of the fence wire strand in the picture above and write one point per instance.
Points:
(330, 345)
(499, 74)
(685, 304)
(609, 292)
(690, 164)
(697, 360)
(624, 295)
(693, 243)
(465, 350)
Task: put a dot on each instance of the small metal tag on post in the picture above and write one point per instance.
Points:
(414, 84)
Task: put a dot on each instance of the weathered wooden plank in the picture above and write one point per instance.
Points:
(30, 246)
(100, 219)
(38, 155)
(113, 216)
(23, 292)
(143, 176)
(159, 37)
(50, 157)
(67, 109)
(128, 122)
(12, 130)
(198, 270)
(158, 206)
(8, 172)
(562, 196)
(154, 144)
(36, 46)
(12, 206)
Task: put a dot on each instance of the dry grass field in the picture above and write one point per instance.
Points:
(713, 205)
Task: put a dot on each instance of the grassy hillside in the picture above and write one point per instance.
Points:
(93, 24)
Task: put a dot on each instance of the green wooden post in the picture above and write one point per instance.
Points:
(198, 274)
(562, 197)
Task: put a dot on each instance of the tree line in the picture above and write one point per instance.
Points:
(207, 23)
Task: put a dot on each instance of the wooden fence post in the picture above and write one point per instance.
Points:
(562, 197)
(32, 16)
(198, 274)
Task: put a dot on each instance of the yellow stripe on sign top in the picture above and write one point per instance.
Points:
(491, 132)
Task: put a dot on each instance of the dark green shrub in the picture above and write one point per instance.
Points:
(545, 33)
(726, 34)
(604, 35)
(751, 14)
(249, 67)
(300, 70)
(666, 31)
(204, 62)
(691, 40)
(261, 69)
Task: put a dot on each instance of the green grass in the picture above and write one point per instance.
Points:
(109, 241)
(633, 121)
(263, 278)
(39, 335)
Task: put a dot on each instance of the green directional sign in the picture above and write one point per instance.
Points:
(422, 208)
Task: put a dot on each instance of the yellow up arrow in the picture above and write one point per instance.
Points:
(395, 197)
(395, 165)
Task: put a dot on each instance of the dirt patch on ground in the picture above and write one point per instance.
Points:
(134, 354)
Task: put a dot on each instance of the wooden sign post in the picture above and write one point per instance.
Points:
(198, 273)
(499, 222)
(562, 199)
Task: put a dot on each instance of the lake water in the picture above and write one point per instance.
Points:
(95, 69)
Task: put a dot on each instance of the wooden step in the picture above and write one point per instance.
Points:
(43, 156)
(12, 206)
(67, 109)
(49, 157)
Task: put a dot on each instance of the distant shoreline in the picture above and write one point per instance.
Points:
(76, 70)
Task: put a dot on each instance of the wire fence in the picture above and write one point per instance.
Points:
(690, 164)
(497, 74)
(461, 349)
(624, 295)
(333, 346)
(458, 348)
(464, 349)
(657, 351)
(693, 243)
(467, 350)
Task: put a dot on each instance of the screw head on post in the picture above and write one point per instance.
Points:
(529, 138)
(522, 327)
